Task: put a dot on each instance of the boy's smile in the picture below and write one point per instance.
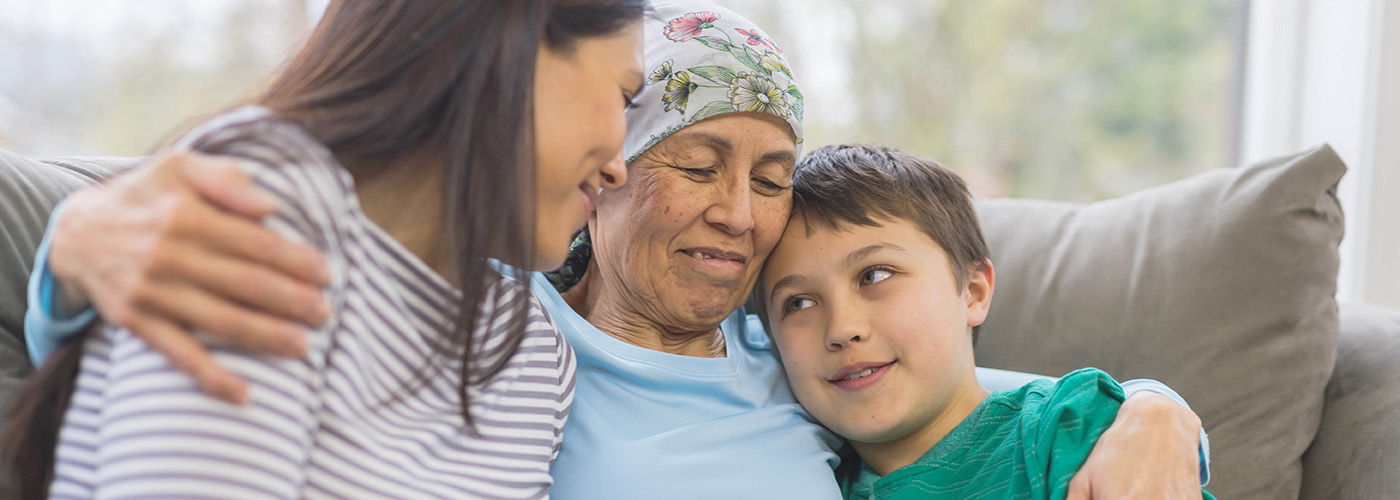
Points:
(873, 329)
(857, 376)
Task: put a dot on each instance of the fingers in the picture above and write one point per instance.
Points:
(247, 240)
(250, 284)
(220, 180)
(1079, 488)
(240, 326)
(189, 356)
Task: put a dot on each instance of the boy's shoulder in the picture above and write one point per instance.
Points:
(1085, 386)
(1069, 412)
(1005, 449)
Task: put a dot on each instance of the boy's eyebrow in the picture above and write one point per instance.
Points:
(869, 250)
(788, 281)
(850, 260)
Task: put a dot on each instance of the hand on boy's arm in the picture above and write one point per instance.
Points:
(174, 246)
(1150, 452)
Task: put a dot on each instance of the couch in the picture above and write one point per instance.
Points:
(1220, 285)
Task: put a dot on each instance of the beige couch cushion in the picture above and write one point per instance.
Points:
(29, 189)
(1220, 286)
(1354, 456)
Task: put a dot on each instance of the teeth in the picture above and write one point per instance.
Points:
(699, 255)
(854, 376)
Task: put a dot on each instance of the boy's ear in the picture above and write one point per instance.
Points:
(978, 293)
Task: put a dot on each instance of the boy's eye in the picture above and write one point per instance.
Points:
(873, 276)
(797, 304)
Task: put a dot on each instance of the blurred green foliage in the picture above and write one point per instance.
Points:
(1062, 99)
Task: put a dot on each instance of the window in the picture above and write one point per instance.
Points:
(116, 78)
(1063, 99)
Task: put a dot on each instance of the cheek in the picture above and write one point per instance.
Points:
(572, 123)
(671, 201)
(770, 220)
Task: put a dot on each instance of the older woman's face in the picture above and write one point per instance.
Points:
(686, 237)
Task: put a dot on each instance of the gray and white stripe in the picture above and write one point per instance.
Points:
(354, 418)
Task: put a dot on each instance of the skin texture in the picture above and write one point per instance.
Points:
(721, 186)
(175, 246)
(846, 300)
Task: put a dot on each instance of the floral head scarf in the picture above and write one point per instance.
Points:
(705, 61)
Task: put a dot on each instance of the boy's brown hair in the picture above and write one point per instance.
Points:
(866, 185)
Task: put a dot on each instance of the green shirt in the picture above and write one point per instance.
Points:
(1021, 444)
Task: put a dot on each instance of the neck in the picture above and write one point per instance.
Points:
(404, 198)
(888, 456)
(624, 321)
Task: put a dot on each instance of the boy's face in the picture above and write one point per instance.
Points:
(873, 327)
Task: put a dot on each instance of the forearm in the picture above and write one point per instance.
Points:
(1142, 385)
(50, 316)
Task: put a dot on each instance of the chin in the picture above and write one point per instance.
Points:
(866, 432)
(707, 308)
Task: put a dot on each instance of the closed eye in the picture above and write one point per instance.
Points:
(768, 187)
(704, 173)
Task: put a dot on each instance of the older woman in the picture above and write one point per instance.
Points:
(679, 395)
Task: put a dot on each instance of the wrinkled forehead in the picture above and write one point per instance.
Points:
(703, 60)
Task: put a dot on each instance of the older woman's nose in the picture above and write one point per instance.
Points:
(733, 211)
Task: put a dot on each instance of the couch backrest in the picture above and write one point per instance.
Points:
(1220, 285)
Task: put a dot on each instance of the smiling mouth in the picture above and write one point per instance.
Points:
(858, 372)
(863, 374)
(708, 254)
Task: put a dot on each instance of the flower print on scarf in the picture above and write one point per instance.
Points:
(755, 92)
(678, 90)
(661, 73)
(689, 26)
(772, 62)
(756, 38)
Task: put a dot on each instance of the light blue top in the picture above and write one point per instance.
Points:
(44, 325)
(647, 424)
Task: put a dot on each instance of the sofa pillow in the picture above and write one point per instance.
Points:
(1221, 286)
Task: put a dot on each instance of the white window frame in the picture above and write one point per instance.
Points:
(1329, 71)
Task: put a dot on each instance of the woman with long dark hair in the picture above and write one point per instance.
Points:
(408, 142)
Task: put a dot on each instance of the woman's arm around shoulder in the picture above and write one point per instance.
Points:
(161, 436)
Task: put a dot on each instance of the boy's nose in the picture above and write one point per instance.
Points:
(837, 342)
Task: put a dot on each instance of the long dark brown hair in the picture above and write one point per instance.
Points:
(377, 82)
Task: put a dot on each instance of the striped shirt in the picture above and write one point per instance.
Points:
(355, 417)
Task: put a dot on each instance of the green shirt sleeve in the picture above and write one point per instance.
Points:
(1078, 409)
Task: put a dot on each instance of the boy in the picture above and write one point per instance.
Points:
(871, 296)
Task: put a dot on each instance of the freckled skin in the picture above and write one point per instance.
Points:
(641, 229)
